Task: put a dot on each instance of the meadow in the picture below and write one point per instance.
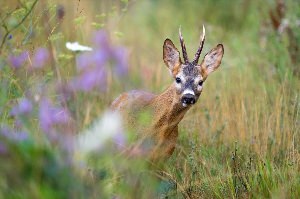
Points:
(241, 139)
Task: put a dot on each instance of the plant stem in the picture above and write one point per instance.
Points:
(16, 26)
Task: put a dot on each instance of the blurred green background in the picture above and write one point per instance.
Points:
(241, 140)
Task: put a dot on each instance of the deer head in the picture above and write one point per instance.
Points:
(189, 76)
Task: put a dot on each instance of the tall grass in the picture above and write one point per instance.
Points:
(241, 140)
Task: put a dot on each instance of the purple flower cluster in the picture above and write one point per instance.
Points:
(50, 115)
(38, 60)
(120, 55)
(90, 79)
(54, 119)
(16, 61)
(12, 135)
(92, 66)
(3, 149)
(22, 108)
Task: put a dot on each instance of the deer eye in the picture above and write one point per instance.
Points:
(200, 83)
(178, 80)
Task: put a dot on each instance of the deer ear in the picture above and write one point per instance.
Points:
(212, 60)
(171, 56)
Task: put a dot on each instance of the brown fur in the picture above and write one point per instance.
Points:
(163, 129)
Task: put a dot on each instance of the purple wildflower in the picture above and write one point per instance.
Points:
(95, 59)
(5, 131)
(100, 57)
(3, 149)
(117, 54)
(88, 80)
(120, 55)
(50, 115)
(64, 92)
(83, 61)
(12, 135)
(22, 108)
(20, 136)
(92, 65)
(41, 56)
(16, 61)
(101, 40)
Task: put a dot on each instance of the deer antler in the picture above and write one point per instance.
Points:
(184, 53)
(197, 55)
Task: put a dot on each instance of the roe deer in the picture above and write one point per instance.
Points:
(168, 108)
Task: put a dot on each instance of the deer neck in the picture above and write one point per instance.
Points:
(168, 110)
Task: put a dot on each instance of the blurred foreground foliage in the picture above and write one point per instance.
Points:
(240, 141)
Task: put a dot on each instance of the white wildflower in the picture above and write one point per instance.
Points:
(75, 46)
(108, 127)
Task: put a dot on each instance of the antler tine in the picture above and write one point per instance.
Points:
(184, 53)
(197, 55)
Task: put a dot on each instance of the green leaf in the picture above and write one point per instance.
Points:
(98, 25)
(63, 56)
(56, 36)
(49, 76)
(12, 22)
(118, 34)
(101, 16)
(79, 20)
(19, 12)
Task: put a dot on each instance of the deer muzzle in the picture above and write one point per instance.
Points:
(188, 99)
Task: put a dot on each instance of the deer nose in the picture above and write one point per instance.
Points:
(188, 99)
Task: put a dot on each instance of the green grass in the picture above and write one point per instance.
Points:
(241, 140)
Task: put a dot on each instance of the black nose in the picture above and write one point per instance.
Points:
(188, 99)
